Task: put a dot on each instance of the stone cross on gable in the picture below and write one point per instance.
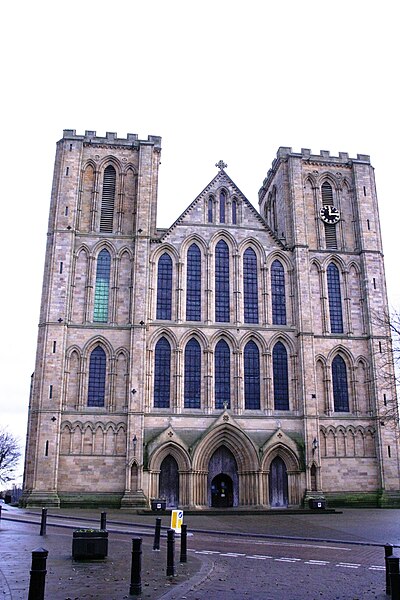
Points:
(221, 165)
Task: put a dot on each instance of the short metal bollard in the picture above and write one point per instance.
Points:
(393, 562)
(38, 574)
(157, 534)
(388, 552)
(0, 513)
(103, 520)
(136, 567)
(171, 553)
(43, 522)
(183, 557)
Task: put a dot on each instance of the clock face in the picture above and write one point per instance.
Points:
(329, 214)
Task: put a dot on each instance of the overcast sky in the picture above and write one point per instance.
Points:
(216, 80)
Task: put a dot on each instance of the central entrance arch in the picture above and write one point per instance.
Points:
(169, 481)
(278, 484)
(223, 479)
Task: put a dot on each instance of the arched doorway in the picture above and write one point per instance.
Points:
(278, 484)
(223, 479)
(222, 491)
(169, 481)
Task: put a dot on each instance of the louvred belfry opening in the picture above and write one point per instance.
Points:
(107, 200)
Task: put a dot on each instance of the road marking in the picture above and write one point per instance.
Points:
(348, 565)
(206, 552)
(232, 554)
(376, 568)
(316, 562)
(259, 557)
(299, 545)
(284, 559)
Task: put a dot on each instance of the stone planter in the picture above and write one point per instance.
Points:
(89, 544)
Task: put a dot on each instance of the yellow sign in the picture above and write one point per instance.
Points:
(176, 520)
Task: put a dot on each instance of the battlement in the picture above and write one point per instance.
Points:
(111, 138)
(324, 157)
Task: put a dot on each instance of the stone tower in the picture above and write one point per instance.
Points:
(233, 359)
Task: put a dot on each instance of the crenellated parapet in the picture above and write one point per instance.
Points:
(324, 158)
(111, 138)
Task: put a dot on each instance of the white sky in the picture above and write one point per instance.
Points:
(216, 80)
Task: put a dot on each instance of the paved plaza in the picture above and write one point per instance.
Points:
(264, 556)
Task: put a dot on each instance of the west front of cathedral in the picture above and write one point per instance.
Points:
(236, 359)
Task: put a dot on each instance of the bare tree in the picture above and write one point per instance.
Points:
(9, 455)
(387, 356)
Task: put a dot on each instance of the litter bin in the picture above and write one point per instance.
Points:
(158, 504)
(316, 503)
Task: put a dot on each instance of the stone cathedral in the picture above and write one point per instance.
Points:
(233, 359)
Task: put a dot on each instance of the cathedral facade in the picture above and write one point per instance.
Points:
(231, 360)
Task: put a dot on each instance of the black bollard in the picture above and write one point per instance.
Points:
(136, 567)
(157, 534)
(103, 520)
(38, 574)
(43, 522)
(393, 562)
(388, 552)
(183, 557)
(170, 553)
(0, 513)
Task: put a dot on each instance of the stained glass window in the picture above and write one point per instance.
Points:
(280, 372)
(162, 374)
(278, 293)
(164, 287)
(97, 377)
(335, 300)
(340, 388)
(193, 284)
(102, 287)
(250, 286)
(251, 376)
(222, 375)
(222, 282)
(222, 206)
(192, 378)
(234, 212)
(210, 209)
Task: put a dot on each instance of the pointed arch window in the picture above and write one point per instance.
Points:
(164, 287)
(222, 206)
(278, 293)
(250, 286)
(192, 376)
(281, 380)
(210, 210)
(108, 200)
(102, 287)
(335, 299)
(340, 386)
(251, 376)
(222, 306)
(222, 375)
(193, 284)
(330, 229)
(162, 374)
(97, 377)
(234, 211)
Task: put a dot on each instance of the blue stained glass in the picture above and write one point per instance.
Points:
(210, 209)
(162, 374)
(164, 287)
(192, 379)
(340, 387)
(280, 372)
(193, 284)
(278, 293)
(102, 287)
(97, 377)
(250, 286)
(335, 300)
(222, 375)
(222, 282)
(234, 212)
(222, 206)
(251, 376)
